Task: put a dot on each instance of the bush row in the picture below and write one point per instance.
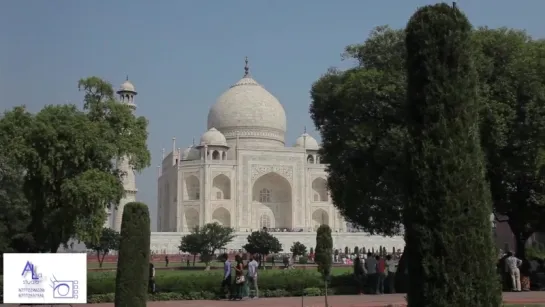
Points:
(291, 281)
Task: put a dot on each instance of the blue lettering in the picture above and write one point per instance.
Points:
(29, 267)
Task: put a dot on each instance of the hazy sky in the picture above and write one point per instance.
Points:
(181, 55)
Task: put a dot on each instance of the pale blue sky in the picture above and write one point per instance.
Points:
(181, 55)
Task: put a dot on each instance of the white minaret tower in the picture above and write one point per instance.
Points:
(126, 95)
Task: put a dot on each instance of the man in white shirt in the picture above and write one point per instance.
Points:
(512, 265)
(371, 270)
(252, 275)
(391, 268)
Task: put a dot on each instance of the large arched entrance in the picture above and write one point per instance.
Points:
(271, 196)
(222, 217)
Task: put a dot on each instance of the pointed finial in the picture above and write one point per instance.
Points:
(305, 129)
(193, 141)
(246, 67)
(127, 78)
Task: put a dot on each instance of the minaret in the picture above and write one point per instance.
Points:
(126, 94)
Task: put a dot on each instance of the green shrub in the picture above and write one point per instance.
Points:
(131, 286)
(303, 260)
(448, 208)
(179, 285)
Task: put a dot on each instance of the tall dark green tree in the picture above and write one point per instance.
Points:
(131, 282)
(324, 254)
(449, 203)
(360, 115)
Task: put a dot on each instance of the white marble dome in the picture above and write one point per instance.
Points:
(213, 137)
(249, 111)
(191, 153)
(127, 86)
(307, 141)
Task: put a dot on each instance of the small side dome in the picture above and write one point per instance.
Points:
(191, 153)
(127, 86)
(213, 137)
(307, 141)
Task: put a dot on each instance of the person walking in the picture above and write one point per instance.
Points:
(240, 280)
(166, 261)
(512, 265)
(381, 274)
(252, 276)
(226, 281)
(391, 268)
(359, 274)
(371, 268)
(151, 280)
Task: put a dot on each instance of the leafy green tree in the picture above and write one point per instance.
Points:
(298, 249)
(449, 199)
(207, 240)
(360, 114)
(66, 155)
(108, 241)
(262, 243)
(131, 282)
(191, 244)
(513, 127)
(324, 253)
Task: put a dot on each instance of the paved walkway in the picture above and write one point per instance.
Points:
(397, 300)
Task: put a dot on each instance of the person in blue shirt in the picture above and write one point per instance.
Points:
(226, 281)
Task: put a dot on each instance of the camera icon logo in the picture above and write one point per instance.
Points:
(65, 289)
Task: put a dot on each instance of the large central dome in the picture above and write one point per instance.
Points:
(249, 111)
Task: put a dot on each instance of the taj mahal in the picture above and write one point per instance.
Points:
(242, 173)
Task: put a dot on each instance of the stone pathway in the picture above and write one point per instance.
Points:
(397, 300)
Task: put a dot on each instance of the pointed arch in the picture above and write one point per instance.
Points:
(221, 187)
(319, 190)
(222, 216)
(271, 195)
(216, 155)
(192, 188)
(191, 216)
(320, 217)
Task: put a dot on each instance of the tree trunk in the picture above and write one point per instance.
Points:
(401, 275)
(520, 242)
(521, 237)
(194, 257)
(326, 303)
(99, 260)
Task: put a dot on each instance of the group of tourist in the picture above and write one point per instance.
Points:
(243, 280)
(373, 272)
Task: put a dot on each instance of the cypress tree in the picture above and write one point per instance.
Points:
(448, 233)
(324, 253)
(131, 284)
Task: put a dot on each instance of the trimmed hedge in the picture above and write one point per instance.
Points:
(447, 215)
(131, 287)
(206, 285)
